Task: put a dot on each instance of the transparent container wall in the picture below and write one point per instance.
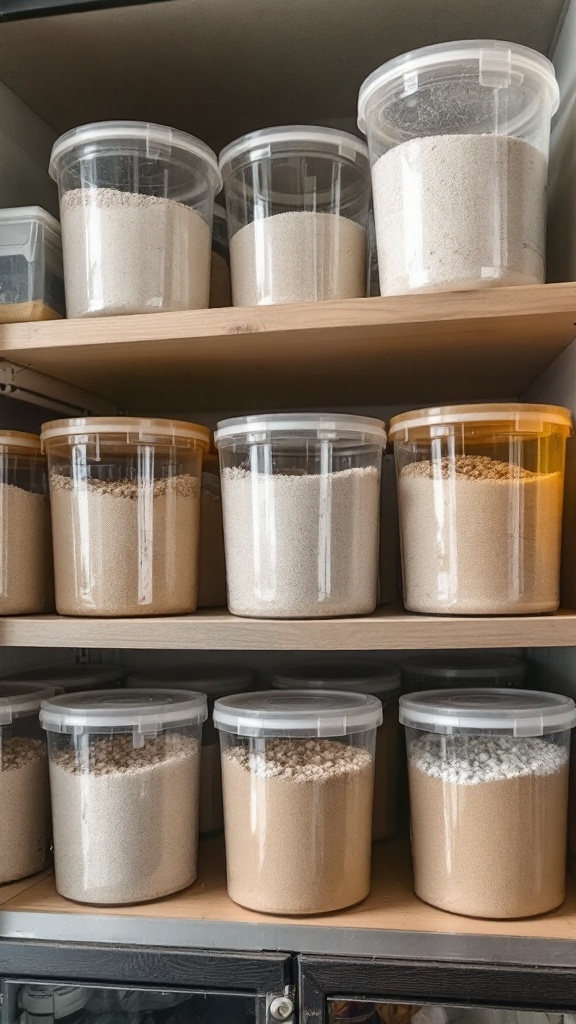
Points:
(24, 799)
(212, 570)
(386, 769)
(297, 223)
(284, 797)
(26, 578)
(220, 282)
(481, 520)
(343, 1010)
(488, 821)
(301, 527)
(125, 813)
(31, 273)
(125, 526)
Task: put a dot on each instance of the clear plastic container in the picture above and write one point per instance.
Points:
(297, 201)
(301, 498)
(26, 578)
(125, 781)
(298, 774)
(461, 669)
(382, 681)
(24, 794)
(125, 497)
(215, 682)
(136, 205)
(71, 678)
(31, 273)
(459, 137)
(488, 773)
(212, 568)
(480, 490)
(220, 284)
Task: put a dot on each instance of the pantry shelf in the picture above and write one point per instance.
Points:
(413, 349)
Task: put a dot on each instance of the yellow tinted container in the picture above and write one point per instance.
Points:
(480, 490)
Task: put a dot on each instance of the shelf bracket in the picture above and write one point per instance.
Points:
(27, 385)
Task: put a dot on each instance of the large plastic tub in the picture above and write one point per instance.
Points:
(31, 273)
(459, 136)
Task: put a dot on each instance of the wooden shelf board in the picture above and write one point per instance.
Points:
(12, 889)
(410, 349)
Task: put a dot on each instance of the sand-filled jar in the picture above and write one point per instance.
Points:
(488, 773)
(301, 501)
(136, 213)
(125, 782)
(297, 776)
(382, 681)
(125, 498)
(212, 565)
(459, 137)
(297, 201)
(220, 284)
(480, 490)
(440, 670)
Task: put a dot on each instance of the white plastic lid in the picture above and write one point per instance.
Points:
(25, 214)
(142, 711)
(494, 56)
(296, 138)
(495, 669)
(55, 1001)
(20, 699)
(71, 678)
(321, 425)
(160, 141)
(514, 712)
(355, 677)
(519, 418)
(135, 428)
(294, 713)
(211, 680)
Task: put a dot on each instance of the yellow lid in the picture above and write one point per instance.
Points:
(136, 430)
(517, 418)
(20, 439)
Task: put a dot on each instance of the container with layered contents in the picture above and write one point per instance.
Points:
(480, 490)
(125, 498)
(212, 565)
(459, 136)
(71, 678)
(220, 285)
(382, 681)
(24, 794)
(136, 211)
(301, 498)
(297, 202)
(298, 774)
(438, 671)
(31, 274)
(488, 773)
(124, 781)
(26, 579)
(214, 682)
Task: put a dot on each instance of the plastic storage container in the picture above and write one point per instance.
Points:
(488, 773)
(26, 579)
(124, 780)
(214, 682)
(480, 491)
(297, 201)
(459, 136)
(31, 273)
(212, 566)
(382, 681)
(301, 498)
(125, 497)
(71, 678)
(297, 773)
(136, 210)
(24, 797)
(462, 669)
(220, 284)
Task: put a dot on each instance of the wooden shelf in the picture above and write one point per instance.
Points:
(417, 349)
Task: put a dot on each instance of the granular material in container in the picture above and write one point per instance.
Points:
(153, 254)
(298, 825)
(26, 312)
(325, 557)
(306, 257)
(481, 209)
(140, 556)
(126, 827)
(489, 823)
(497, 548)
(25, 552)
(24, 808)
(212, 564)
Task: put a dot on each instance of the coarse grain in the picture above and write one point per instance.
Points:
(301, 546)
(126, 252)
(24, 808)
(125, 549)
(26, 583)
(458, 212)
(480, 536)
(125, 818)
(300, 256)
(212, 563)
(25, 312)
(298, 818)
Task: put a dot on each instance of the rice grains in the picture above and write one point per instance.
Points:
(24, 808)
(25, 552)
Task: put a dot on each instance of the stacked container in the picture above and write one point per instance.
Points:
(436, 671)
(31, 273)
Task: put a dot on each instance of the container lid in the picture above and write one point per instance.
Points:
(20, 699)
(463, 665)
(209, 679)
(160, 140)
(20, 439)
(294, 138)
(322, 425)
(143, 711)
(355, 677)
(25, 214)
(519, 418)
(494, 56)
(55, 1001)
(294, 713)
(515, 712)
(71, 678)
(137, 429)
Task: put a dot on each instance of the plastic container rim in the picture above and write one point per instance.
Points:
(72, 713)
(521, 417)
(304, 676)
(26, 214)
(149, 430)
(25, 699)
(555, 713)
(360, 713)
(345, 144)
(421, 665)
(21, 439)
(325, 426)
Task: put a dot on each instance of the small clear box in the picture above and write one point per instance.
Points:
(31, 274)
